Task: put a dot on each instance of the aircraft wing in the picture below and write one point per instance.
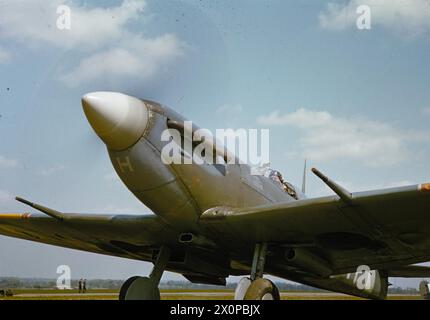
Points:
(118, 235)
(383, 229)
(409, 272)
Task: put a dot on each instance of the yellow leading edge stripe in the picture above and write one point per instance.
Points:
(14, 216)
(425, 187)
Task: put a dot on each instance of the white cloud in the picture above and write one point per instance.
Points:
(102, 36)
(35, 22)
(138, 57)
(326, 137)
(6, 163)
(410, 17)
(5, 56)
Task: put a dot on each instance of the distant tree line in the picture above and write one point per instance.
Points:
(40, 283)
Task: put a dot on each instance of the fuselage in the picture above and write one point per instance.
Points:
(180, 193)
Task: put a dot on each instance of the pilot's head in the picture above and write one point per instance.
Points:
(276, 176)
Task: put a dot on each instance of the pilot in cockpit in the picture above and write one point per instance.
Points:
(276, 177)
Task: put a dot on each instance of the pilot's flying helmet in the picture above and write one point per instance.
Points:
(274, 175)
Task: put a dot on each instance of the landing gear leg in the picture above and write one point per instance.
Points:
(146, 288)
(259, 261)
(256, 287)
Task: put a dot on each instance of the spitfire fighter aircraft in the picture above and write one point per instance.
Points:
(216, 220)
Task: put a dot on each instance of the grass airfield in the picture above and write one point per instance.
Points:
(181, 295)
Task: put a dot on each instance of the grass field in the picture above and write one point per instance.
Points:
(179, 295)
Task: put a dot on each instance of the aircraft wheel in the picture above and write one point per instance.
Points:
(424, 290)
(241, 288)
(139, 288)
(262, 289)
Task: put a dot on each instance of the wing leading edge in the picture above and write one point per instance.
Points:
(382, 229)
(125, 236)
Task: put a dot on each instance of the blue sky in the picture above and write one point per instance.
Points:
(354, 102)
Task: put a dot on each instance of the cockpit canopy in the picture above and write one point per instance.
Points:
(277, 178)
